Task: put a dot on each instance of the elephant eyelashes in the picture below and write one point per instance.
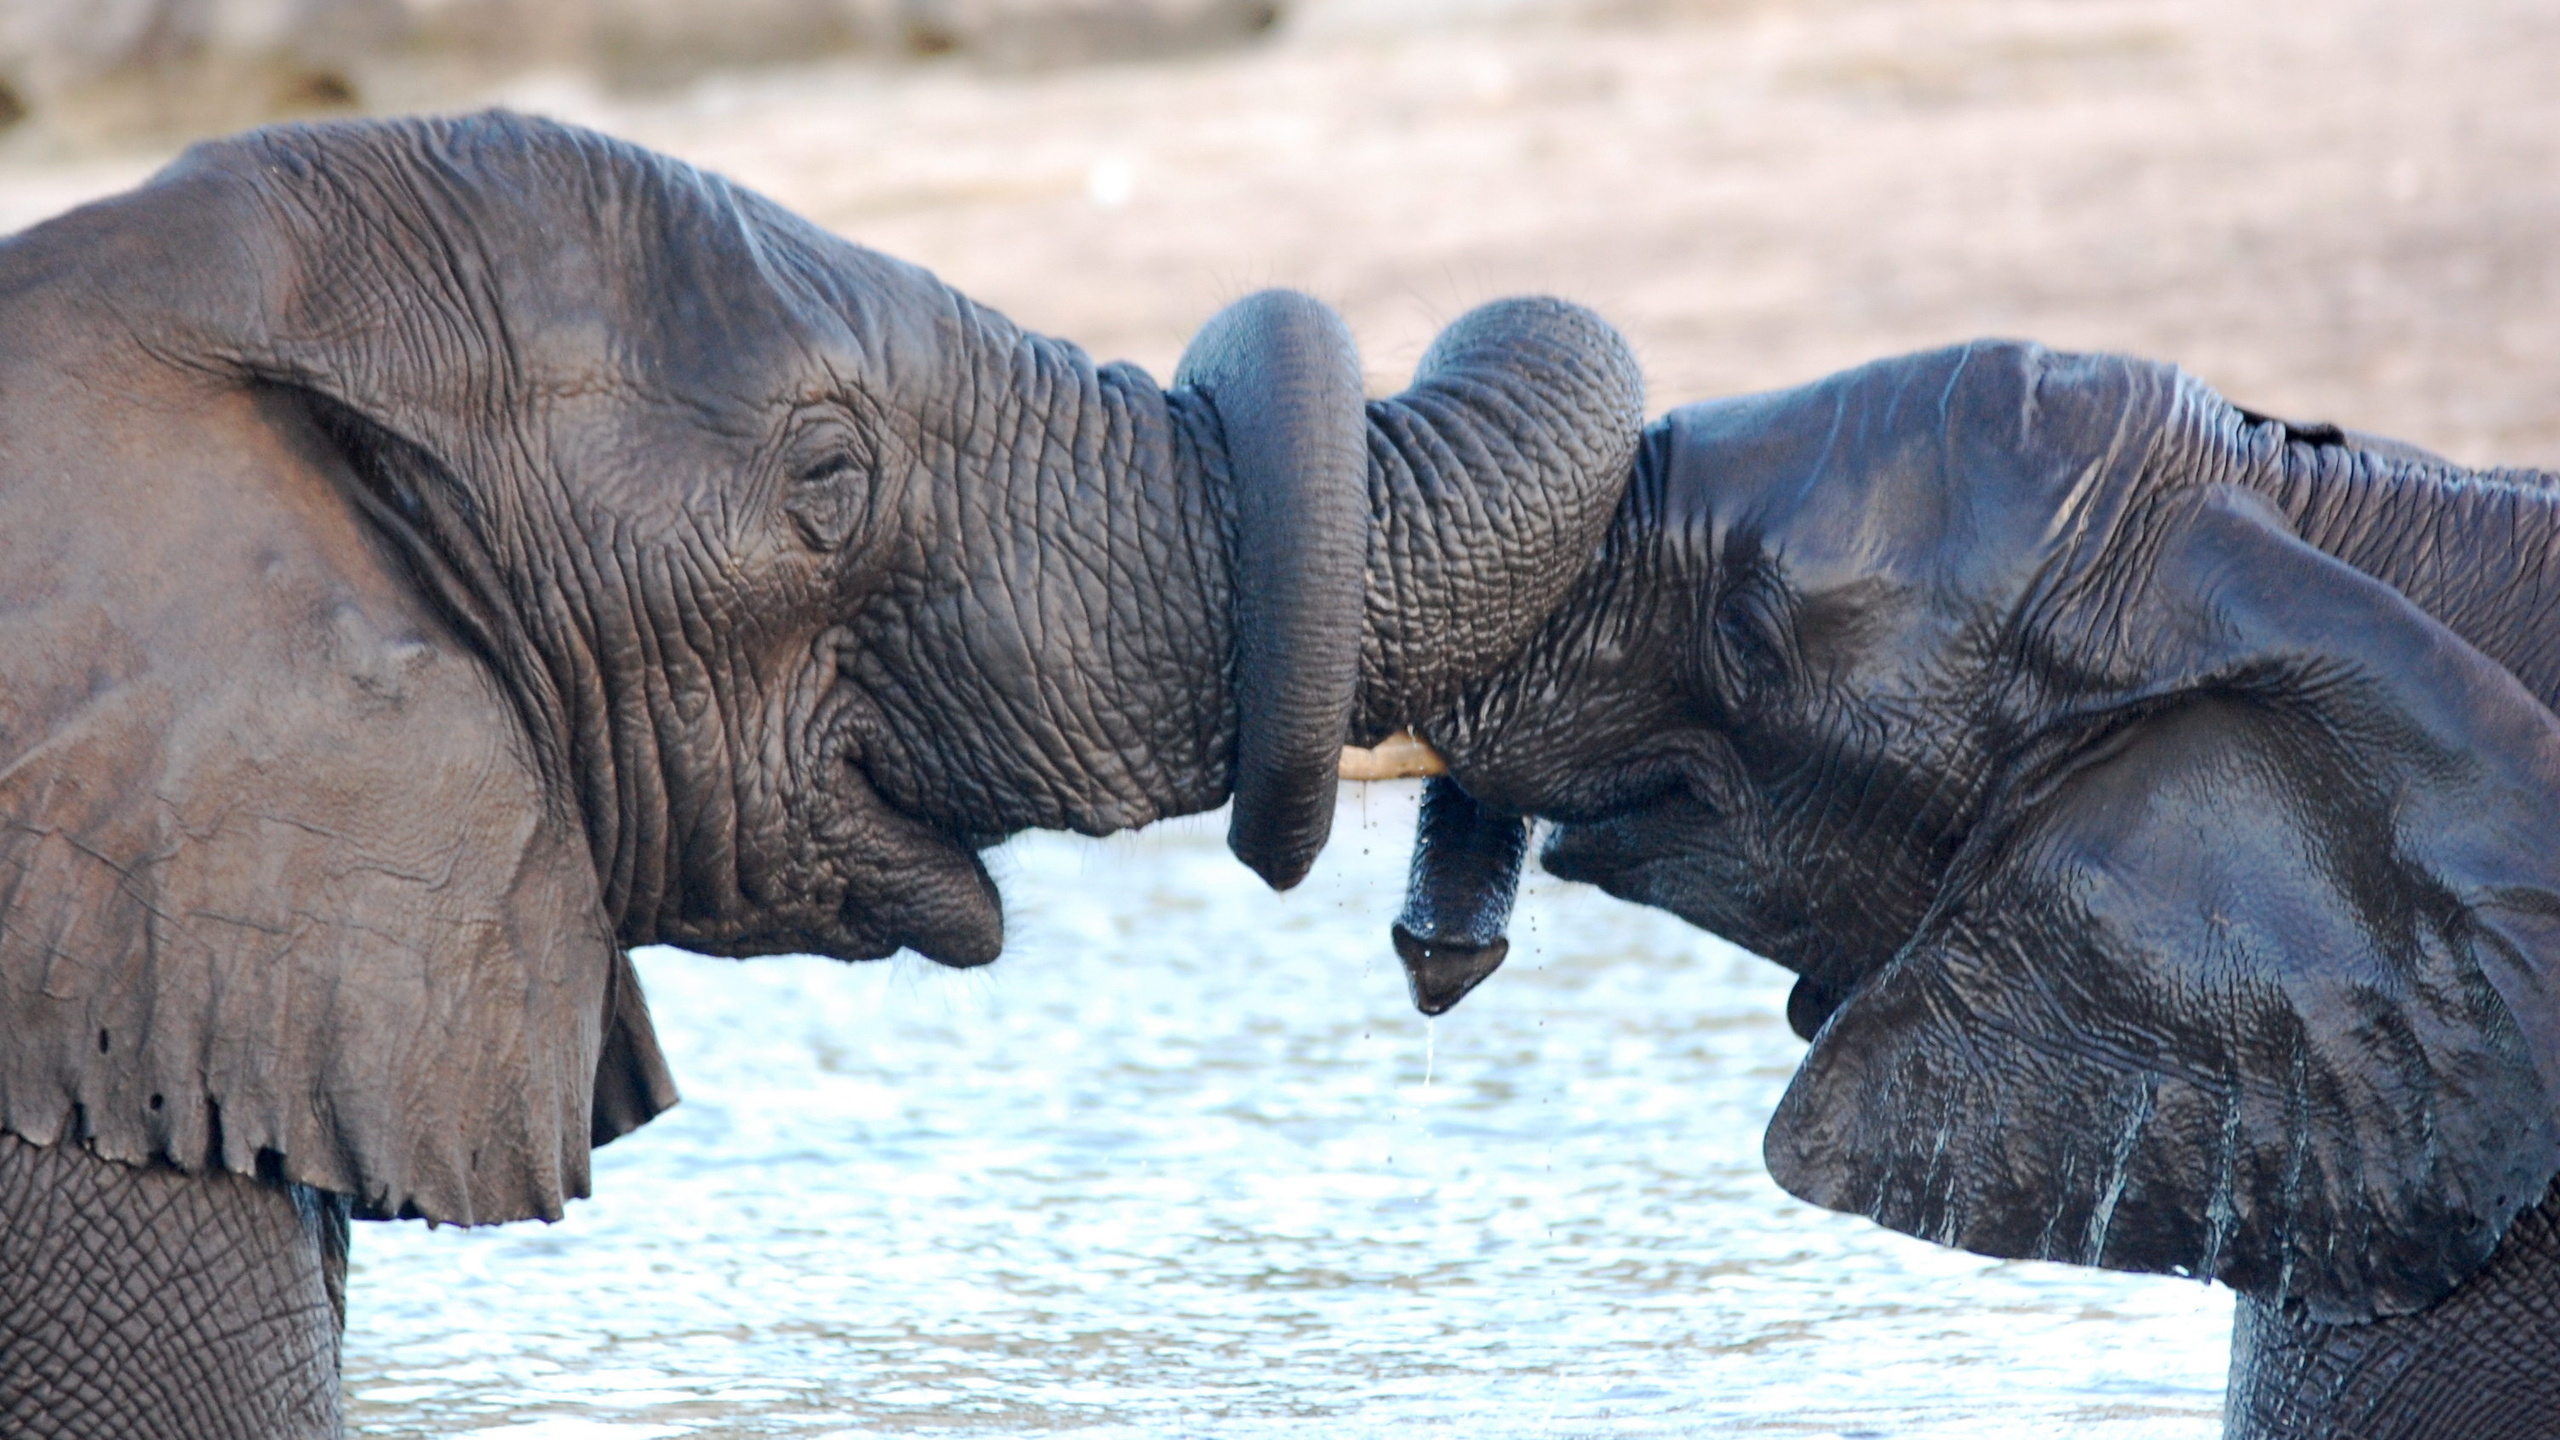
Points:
(821, 471)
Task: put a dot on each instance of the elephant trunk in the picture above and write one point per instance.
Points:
(1466, 869)
(1477, 497)
(1282, 374)
(1491, 482)
(1159, 591)
(1067, 661)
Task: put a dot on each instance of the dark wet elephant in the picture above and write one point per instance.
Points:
(435, 557)
(2160, 805)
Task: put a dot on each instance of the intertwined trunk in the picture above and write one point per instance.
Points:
(1491, 482)
(1114, 577)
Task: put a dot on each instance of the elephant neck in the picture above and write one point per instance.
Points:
(2475, 549)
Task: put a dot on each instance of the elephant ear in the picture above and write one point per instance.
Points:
(1281, 371)
(2257, 988)
(281, 890)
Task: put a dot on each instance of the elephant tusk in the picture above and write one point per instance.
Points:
(1401, 756)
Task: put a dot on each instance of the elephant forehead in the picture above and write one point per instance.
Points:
(723, 304)
(810, 297)
(1954, 472)
(586, 261)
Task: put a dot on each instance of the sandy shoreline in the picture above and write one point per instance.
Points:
(2332, 210)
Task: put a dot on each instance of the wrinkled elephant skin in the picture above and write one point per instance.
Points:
(2160, 807)
(438, 556)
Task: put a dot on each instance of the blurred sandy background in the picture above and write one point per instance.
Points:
(2332, 209)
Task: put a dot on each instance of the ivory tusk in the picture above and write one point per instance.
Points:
(1401, 756)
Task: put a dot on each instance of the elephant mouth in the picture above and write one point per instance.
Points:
(1813, 1002)
(1826, 981)
(901, 882)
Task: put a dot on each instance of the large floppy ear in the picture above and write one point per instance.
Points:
(282, 891)
(2256, 986)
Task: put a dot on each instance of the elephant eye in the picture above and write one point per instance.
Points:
(825, 468)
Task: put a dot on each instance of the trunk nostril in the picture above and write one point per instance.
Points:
(1439, 976)
(1466, 870)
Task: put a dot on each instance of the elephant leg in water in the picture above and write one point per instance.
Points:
(2158, 804)
(2480, 1362)
(438, 556)
(103, 1264)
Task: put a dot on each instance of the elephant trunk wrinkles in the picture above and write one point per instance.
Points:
(1491, 482)
(1086, 571)
(2473, 548)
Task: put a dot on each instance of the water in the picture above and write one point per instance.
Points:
(1185, 1165)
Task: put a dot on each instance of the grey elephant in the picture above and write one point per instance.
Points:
(2159, 804)
(438, 556)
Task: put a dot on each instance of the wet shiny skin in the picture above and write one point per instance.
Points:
(1172, 1169)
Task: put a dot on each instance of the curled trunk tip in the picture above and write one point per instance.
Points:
(1282, 374)
(1492, 480)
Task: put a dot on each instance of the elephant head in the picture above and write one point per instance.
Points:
(2159, 804)
(437, 556)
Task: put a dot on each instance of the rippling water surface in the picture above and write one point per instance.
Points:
(1186, 1164)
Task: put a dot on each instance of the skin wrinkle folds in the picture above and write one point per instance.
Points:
(2354, 506)
(677, 695)
(2138, 855)
(1445, 606)
(187, 1250)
